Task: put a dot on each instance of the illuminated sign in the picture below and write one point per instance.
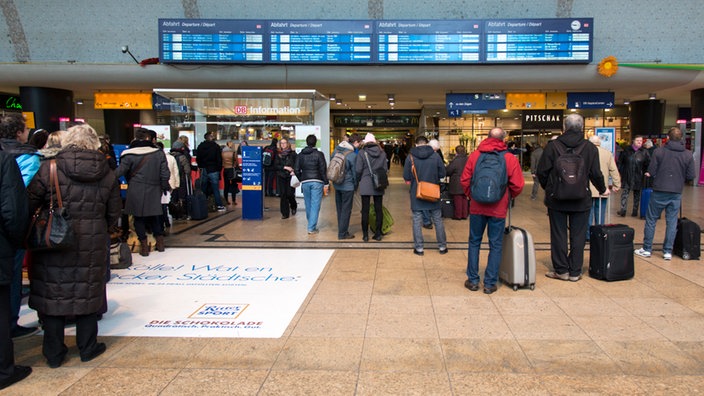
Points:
(123, 100)
(10, 102)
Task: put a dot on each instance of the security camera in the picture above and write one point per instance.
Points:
(125, 49)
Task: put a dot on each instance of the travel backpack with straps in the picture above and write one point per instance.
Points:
(490, 178)
(336, 168)
(571, 176)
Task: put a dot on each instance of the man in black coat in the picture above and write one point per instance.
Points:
(14, 218)
(209, 159)
(574, 212)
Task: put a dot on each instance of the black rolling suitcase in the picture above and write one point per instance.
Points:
(196, 204)
(447, 206)
(687, 243)
(611, 251)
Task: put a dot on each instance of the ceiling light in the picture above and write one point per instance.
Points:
(652, 96)
(391, 97)
(626, 102)
(79, 102)
(338, 102)
(362, 97)
(332, 97)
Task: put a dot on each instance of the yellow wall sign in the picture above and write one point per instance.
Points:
(525, 100)
(123, 100)
(29, 119)
(556, 100)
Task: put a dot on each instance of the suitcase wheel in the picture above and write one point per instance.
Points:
(515, 287)
(532, 287)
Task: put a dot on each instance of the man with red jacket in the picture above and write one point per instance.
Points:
(491, 216)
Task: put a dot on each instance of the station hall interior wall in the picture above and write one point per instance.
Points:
(46, 31)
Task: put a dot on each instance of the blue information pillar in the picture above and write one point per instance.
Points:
(252, 192)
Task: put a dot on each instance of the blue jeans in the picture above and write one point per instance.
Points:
(213, 179)
(495, 232)
(436, 217)
(312, 196)
(670, 202)
(599, 207)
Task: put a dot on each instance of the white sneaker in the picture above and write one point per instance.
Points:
(667, 256)
(642, 252)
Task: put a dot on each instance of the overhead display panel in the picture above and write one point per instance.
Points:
(539, 40)
(320, 41)
(377, 42)
(211, 41)
(428, 41)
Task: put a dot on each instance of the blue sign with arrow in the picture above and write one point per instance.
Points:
(458, 104)
(590, 100)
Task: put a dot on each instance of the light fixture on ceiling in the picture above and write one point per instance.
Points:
(126, 50)
(362, 97)
(652, 96)
(626, 102)
(391, 98)
(79, 101)
(333, 98)
(338, 102)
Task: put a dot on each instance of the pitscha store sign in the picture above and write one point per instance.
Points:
(541, 119)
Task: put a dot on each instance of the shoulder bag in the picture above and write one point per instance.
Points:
(51, 228)
(379, 177)
(426, 191)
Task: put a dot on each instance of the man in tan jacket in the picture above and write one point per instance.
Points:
(607, 164)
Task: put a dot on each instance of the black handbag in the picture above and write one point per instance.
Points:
(380, 178)
(51, 228)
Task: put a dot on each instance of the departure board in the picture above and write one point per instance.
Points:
(211, 41)
(539, 40)
(320, 41)
(378, 42)
(428, 41)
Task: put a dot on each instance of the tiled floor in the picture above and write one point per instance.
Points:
(382, 320)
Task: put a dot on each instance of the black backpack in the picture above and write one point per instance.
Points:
(267, 156)
(571, 176)
(489, 180)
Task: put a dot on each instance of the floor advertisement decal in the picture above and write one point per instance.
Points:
(238, 293)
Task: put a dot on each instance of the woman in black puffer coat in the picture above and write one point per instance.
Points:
(72, 282)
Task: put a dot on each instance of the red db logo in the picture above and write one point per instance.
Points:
(240, 109)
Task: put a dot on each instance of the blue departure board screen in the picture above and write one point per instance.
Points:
(211, 41)
(539, 40)
(320, 41)
(428, 41)
(231, 41)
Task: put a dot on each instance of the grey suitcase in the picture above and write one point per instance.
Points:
(517, 266)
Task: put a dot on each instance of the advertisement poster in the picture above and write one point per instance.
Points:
(163, 134)
(208, 292)
(608, 138)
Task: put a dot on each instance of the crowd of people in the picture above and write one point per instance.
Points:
(86, 171)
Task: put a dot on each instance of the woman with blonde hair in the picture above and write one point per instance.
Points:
(71, 282)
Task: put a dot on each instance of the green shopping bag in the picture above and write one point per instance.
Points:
(386, 223)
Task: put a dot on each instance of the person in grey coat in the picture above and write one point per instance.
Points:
(534, 160)
(429, 168)
(377, 160)
(144, 166)
(344, 190)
